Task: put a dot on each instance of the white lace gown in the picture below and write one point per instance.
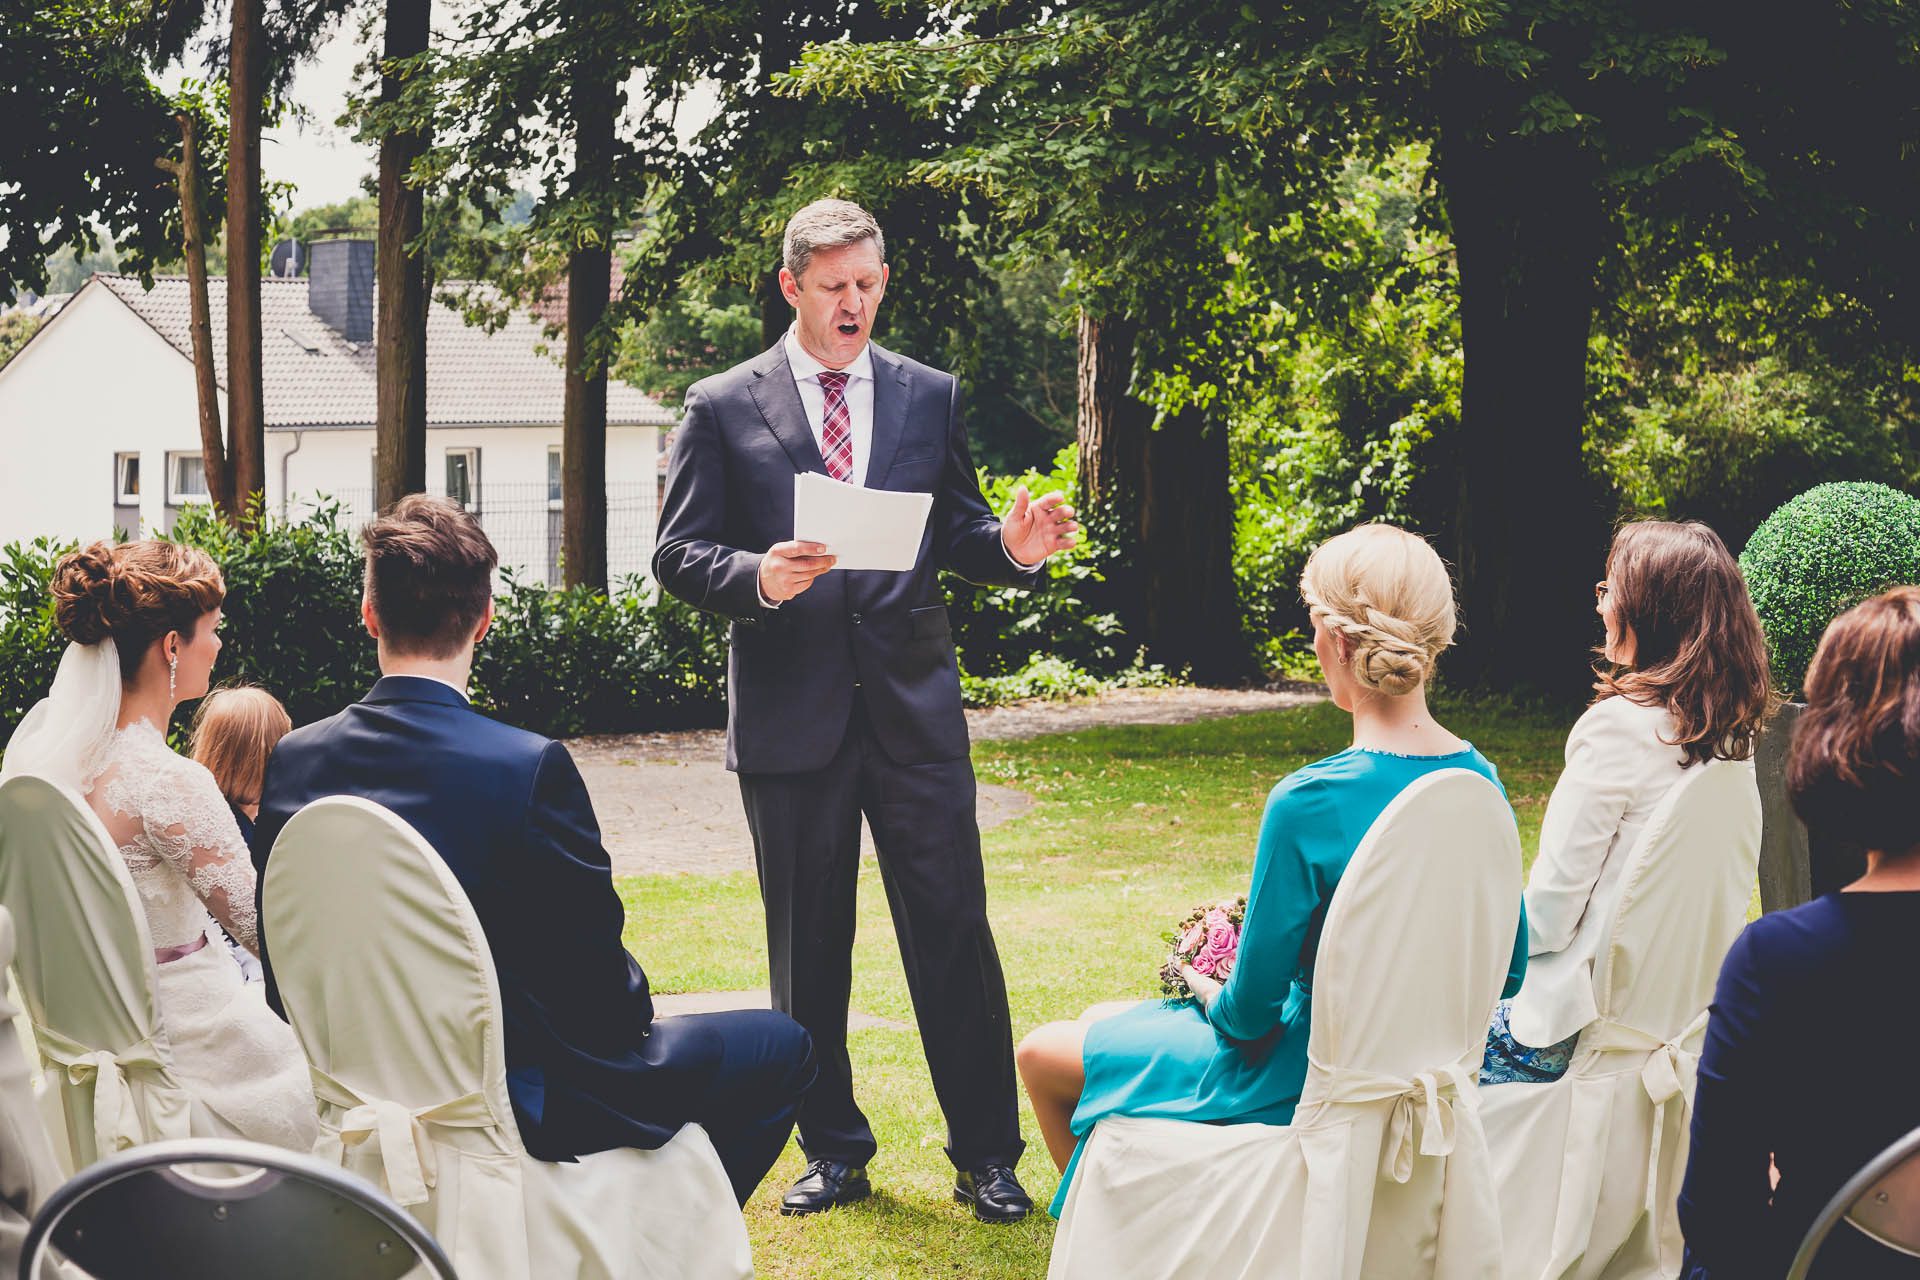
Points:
(237, 1059)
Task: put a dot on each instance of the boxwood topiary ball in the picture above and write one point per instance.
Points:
(1820, 554)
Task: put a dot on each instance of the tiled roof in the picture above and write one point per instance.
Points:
(315, 378)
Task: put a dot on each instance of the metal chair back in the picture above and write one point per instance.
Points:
(1882, 1202)
(217, 1209)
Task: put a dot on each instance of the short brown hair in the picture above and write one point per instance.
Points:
(429, 575)
(1854, 771)
(135, 592)
(1698, 649)
(234, 731)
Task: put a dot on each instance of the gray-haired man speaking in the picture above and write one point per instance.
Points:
(843, 696)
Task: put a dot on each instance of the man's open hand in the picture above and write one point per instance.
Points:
(789, 568)
(1036, 528)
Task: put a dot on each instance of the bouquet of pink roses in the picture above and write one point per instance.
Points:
(1208, 939)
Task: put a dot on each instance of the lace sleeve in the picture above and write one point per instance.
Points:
(190, 825)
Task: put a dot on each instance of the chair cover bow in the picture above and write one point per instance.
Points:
(1667, 1075)
(1438, 1096)
(400, 1134)
(117, 1121)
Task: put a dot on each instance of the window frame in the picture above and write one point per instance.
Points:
(472, 453)
(175, 498)
(122, 496)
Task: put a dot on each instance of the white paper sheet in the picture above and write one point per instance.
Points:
(863, 528)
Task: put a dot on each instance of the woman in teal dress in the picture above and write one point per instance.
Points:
(1382, 608)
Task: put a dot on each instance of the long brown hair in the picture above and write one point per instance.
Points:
(1697, 645)
(1854, 772)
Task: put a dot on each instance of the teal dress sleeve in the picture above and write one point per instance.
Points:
(1517, 967)
(1295, 869)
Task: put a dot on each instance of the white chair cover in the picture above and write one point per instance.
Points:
(389, 984)
(85, 971)
(1384, 1172)
(1589, 1167)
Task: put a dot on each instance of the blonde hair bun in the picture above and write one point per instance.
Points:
(1388, 593)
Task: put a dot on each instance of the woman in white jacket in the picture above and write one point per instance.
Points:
(1684, 681)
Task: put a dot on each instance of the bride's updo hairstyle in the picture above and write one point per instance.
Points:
(1388, 593)
(135, 592)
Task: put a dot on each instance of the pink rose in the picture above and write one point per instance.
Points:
(1216, 918)
(1221, 938)
(1203, 964)
(1224, 969)
(1191, 942)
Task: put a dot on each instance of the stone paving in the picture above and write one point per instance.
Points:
(667, 803)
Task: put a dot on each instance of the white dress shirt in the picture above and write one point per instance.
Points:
(1618, 770)
(859, 397)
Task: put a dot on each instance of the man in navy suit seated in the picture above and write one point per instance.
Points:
(588, 1067)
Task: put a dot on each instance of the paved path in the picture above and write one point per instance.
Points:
(666, 802)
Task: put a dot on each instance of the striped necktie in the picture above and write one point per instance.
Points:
(836, 426)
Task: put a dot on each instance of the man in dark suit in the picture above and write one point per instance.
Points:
(588, 1067)
(844, 697)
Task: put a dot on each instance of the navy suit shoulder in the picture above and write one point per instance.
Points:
(509, 814)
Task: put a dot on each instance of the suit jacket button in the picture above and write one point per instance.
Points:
(856, 619)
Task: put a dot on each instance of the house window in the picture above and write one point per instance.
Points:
(186, 479)
(554, 487)
(126, 479)
(463, 478)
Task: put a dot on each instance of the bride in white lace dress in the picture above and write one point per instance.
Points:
(142, 619)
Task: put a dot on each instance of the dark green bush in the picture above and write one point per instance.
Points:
(292, 609)
(575, 661)
(1000, 631)
(1822, 553)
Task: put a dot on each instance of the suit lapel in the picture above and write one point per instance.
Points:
(892, 395)
(778, 400)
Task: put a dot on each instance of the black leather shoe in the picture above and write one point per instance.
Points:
(994, 1193)
(826, 1183)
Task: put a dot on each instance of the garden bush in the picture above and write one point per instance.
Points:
(1820, 554)
(557, 661)
(1001, 631)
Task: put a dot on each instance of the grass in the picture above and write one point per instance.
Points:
(1130, 827)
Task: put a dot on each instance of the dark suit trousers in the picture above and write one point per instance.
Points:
(739, 1075)
(806, 836)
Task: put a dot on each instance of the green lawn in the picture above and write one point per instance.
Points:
(1130, 828)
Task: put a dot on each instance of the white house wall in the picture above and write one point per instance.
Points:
(513, 502)
(96, 381)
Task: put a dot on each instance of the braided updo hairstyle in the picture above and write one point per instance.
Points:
(135, 592)
(1388, 593)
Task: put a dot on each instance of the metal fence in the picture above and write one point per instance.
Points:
(524, 522)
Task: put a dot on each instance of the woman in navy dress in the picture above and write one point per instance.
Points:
(1382, 608)
(1777, 1092)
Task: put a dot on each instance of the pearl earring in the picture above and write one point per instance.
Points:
(173, 674)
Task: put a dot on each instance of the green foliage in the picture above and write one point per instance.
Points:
(292, 608)
(1819, 555)
(699, 333)
(29, 640)
(16, 327)
(1731, 445)
(570, 661)
(1001, 631)
(1057, 680)
(1339, 400)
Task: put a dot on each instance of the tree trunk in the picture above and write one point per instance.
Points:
(246, 409)
(1161, 499)
(583, 438)
(400, 427)
(1529, 227)
(193, 249)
